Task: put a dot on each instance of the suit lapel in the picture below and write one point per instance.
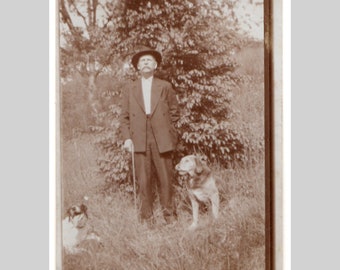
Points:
(138, 93)
(155, 94)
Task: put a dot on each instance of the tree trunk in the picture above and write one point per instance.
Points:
(92, 89)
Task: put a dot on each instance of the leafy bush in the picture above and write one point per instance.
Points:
(114, 162)
(75, 114)
(197, 43)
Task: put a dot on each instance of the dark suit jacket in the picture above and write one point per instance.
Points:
(164, 113)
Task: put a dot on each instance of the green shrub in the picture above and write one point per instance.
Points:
(74, 111)
(203, 70)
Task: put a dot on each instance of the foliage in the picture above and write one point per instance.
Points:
(197, 40)
(75, 113)
(114, 162)
(198, 62)
(221, 110)
(236, 241)
(85, 38)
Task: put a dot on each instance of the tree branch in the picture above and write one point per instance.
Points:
(79, 13)
(65, 16)
(94, 11)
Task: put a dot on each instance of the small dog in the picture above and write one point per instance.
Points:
(75, 230)
(201, 185)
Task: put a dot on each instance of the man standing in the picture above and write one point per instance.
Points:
(149, 111)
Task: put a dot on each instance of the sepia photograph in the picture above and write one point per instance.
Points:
(165, 135)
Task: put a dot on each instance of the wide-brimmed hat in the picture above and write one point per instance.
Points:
(144, 51)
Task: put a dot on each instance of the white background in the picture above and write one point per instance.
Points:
(24, 139)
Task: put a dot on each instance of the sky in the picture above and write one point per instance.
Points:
(251, 17)
(248, 12)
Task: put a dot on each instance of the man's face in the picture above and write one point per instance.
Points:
(146, 64)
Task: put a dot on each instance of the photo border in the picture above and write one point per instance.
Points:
(275, 245)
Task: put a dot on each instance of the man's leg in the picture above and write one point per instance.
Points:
(163, 165)
(143, 172)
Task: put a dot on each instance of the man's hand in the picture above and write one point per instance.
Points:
(128, 145)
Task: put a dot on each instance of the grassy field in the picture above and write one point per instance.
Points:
(236, 241)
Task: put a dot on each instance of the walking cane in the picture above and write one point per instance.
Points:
(134, 174)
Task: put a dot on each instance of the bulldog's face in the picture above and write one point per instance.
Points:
(75, 210)
(77, 214)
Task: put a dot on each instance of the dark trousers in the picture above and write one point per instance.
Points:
(163, 165)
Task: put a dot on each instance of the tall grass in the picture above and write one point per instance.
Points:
(235, 241)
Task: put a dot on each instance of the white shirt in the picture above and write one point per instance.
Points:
(146, 87)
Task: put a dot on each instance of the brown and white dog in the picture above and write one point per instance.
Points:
(201, 185)
(75, 229)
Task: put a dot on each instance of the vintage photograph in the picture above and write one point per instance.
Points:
(163, 147)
